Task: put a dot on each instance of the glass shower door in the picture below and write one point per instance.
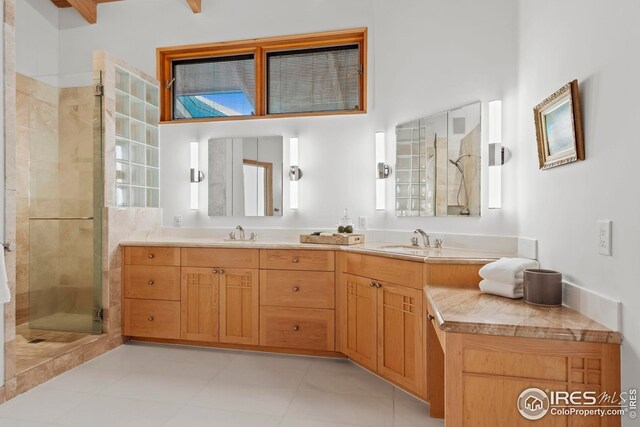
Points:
(65, 210)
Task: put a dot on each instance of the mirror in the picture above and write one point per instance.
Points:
(245, 176)
(437, 169)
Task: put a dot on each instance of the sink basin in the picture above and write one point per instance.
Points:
(413, 250)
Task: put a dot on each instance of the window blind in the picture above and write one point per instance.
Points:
(313, 80)
(214, 87)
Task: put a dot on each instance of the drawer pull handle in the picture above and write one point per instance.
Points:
(296, 289)
(430, 317)
(221, 271)
(150, 282)
(215, 271)
(296, 327)
(296, 259)
(378, 285)
(150, 319)
(372, 284)
(151, 256)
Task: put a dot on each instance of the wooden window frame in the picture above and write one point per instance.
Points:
(259, 48)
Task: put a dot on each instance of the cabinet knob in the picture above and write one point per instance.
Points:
(296, 259)
(221, 271)
(372, 284)
(214, 271)
(430, 317)
(150, 282)
(151, 256)
(150, 318)
(296, 289)
(378, 285)
(296, 327)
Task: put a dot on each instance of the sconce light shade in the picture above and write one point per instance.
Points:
(195, 175)
(295, 173)
(383, 171)
(496, 154)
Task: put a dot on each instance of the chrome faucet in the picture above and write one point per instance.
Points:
(241, 230)
(425, 237)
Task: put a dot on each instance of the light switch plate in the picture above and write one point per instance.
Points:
(177, 221)
(604, 237)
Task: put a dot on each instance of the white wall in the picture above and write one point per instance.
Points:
(591, 41)
(425, 57)
(37, 46)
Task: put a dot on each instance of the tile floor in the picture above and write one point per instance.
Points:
(30, 354)
(154, 385)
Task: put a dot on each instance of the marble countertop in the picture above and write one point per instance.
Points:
(397, 251)
(468, 311)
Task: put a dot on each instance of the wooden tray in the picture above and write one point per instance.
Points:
(335, 239)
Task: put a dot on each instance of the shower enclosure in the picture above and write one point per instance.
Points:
(60, 202)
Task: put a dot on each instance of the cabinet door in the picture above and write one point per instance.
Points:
(357, 314)
(400, 346)
(199, 306)
(239, 306)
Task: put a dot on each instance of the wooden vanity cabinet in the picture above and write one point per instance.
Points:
(151, 306)
(358, 319)
(400, 336)
(297, 299)
(200, 304)
(380, 306)
(239, 308)
(220, 295)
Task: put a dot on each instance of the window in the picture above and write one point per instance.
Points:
(311, 74)
(214, 87)
(313, 80)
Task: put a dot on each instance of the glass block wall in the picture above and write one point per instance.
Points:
(137, 160)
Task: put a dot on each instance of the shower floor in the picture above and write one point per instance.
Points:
(37, 346)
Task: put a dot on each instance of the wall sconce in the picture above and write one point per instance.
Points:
(196, 175)
(497, 154)
(295, 173)
(383, 171)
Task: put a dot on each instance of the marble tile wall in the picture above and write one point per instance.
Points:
(8, 28)
(117, 223)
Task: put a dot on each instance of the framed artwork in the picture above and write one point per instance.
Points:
(559, 127)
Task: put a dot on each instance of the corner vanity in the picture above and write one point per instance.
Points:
(395, 312)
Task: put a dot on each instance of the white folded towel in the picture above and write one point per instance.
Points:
(501, 289)
(5, 295)
(507, 270)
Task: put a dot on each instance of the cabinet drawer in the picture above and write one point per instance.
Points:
(152, 319)
(309, 289)
(303, 328)
(149, 255)
(149, 282)
(400, 272)
(274, 259)
(211, 257)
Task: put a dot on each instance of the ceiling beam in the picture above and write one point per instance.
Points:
(87, 8)
(195, 5)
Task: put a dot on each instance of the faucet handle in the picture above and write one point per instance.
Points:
(438, 244)
(253, 236)
(414, 241)
(232, 236)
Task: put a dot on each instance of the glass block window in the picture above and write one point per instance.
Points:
(137, 157)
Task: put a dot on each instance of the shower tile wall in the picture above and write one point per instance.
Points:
(54, 178)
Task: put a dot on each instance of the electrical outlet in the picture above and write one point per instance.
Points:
(177, 221)
(362, 222)
(604, 237)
